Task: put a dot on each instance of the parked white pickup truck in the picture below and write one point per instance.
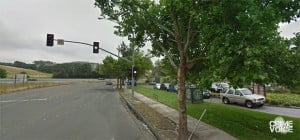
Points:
(242, 96)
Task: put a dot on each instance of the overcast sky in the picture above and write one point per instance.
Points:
(25, 23)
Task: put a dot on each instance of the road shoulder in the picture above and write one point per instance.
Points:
(159, 125)
(202, 131)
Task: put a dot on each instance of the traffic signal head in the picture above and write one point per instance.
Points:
(135, 72)
(132, 71)
(50, 40)
(96, 47)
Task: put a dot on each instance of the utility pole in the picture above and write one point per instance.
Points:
(132, 80)
(132, 77)
(119, 82)
(132, 71)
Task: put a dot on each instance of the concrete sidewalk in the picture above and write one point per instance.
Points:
(203, 130)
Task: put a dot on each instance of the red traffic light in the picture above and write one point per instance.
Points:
(50, 40)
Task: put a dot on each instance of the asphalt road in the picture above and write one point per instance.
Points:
(40, 80)
(85, 111)
(291, 112)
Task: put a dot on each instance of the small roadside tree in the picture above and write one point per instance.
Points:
(3, 73)
(108, 68)
(119, 68)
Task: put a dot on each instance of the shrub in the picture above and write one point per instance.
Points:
(296, 90)
(286, 99)
(3, 73)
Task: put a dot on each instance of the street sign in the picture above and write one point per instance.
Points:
(60, 42)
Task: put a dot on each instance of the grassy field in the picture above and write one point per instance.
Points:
(286, 99)
(7, 88)
(32, 73)
(241, 123)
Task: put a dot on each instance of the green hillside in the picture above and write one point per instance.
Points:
(32, 73)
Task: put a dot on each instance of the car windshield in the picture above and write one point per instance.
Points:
(246, 92)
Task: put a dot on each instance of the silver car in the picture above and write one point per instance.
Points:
(242, 96)
(219, 87)
(157, 86)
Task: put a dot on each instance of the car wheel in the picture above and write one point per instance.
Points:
(249, 104)
(226, 101)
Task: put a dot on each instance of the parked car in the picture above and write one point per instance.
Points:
(242, 96)
(129, 82)
(163, 86)
(167, 86)
(157, 86)
(223, 87)
(214, 87)
(101, 78)
(173, 88)
(206, 94)
(109, 83)
(219, 87)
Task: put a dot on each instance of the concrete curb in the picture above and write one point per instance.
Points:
(139, 117)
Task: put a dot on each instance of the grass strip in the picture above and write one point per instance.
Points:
(241, 123)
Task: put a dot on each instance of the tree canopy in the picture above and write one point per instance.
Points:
(74, 70)
(113, 68)
(288, 64)
(108, 68)
(228, 39)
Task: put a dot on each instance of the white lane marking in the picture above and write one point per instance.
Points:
(8, 101)
(11, 101)
(38, 100)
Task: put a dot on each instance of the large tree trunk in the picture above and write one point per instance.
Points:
(182, 128)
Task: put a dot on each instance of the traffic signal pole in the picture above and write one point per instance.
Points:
(83, 43)
(50, 43)
(132, 77)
